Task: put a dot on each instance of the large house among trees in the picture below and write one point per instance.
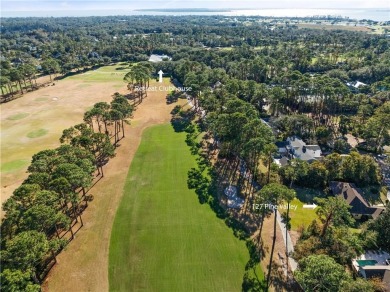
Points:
(295, 147)
(355, 198)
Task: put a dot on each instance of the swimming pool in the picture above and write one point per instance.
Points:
(363, 263)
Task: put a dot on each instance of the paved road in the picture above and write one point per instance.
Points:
(290, 247)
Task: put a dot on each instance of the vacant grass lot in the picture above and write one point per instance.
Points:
(303, 217)
(163, 239)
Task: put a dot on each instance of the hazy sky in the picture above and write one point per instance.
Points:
(55, 5)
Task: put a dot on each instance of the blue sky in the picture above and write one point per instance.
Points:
(61, 5)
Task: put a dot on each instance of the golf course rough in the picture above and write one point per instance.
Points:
(163, 239)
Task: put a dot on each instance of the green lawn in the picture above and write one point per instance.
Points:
(14, 165)
(163, 239)
(37, 133)
(111, 73)
(303, 216)
(18, 116)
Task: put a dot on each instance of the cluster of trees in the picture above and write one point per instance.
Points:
(355, 168)
(376, 131)
(335, 117)
(138, 78)
(237, 73)
(381, 228)
(298, 73)
(236, 130)
(316, 108)
(322, 273)
(230, 109)
(17, 79)
(330, 234)
(49, 203)
(233, 121)
(327, 246)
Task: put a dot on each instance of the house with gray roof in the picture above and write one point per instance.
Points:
(294, 147)
(299, 149)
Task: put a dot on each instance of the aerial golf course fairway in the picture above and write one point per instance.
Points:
(163, 239)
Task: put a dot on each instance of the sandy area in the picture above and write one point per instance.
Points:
(267, 236)
(83, 266)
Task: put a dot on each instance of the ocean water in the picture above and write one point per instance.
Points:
(379, 14)
(373, 14)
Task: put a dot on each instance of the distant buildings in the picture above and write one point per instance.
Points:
(159, 58)
(354, 197)
(355, 85)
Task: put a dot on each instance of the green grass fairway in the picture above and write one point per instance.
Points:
(14, 165)
(18, 116)
(37, 133)
(163, 239)
(112, 73)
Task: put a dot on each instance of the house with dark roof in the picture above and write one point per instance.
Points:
(355, 198)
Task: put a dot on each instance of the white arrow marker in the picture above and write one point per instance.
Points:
(310, 206)
(160, 74)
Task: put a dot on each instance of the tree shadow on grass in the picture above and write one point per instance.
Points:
(206, 187)
(182, 120)
(174, 97)
(204, 180)
(251, 281)
(77, 72)
(306, 195)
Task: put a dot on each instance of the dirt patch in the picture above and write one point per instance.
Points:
(85, 260)
(294, 236)
(267, 235)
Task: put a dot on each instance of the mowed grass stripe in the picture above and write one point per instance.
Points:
(163, 239)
